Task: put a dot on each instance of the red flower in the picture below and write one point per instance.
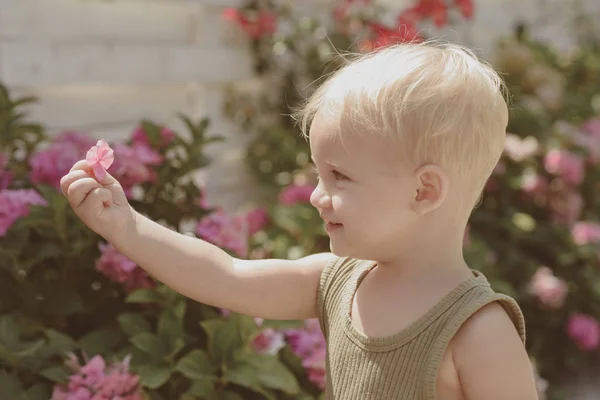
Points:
(435, 9)
(383, 36)
(466, 7)
(256, 26)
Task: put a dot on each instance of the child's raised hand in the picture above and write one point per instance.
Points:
(97, 197)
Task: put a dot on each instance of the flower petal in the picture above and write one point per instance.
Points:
(99, 172)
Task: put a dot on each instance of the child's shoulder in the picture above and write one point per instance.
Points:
(489, 353)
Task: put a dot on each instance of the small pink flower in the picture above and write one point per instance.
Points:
(294, 194)
(315, 367)
(566, 165)
(549, 290)
(100, 157)
(15, 204)
(48, 166)
(257, 220)
(584, 331)
(140, 136)
(225, 231)
(305, 341)
(98, 381)
(121, 269)
(268, 341)
(133, 165)
(586, 233)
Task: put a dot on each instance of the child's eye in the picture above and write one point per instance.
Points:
(338, 175)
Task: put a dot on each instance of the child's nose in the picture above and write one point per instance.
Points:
(319, 198)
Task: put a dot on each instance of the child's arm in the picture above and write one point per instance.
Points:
(271, 289)
(490, 358)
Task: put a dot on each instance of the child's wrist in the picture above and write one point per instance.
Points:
(127, 236)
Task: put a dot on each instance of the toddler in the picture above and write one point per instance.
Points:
(403, 140)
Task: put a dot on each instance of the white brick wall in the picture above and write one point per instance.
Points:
(100, 66)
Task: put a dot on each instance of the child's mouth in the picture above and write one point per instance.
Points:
(332, 226)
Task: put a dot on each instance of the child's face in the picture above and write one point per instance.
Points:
(363, 195)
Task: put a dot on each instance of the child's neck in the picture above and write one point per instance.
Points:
(426, 253)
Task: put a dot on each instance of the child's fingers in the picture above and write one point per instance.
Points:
(71, 177)
(97, 199)
(80, 165)
(79, 190)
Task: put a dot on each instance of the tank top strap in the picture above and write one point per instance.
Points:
(472, 300)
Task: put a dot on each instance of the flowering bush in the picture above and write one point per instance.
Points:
(66, 295)
(536, 234)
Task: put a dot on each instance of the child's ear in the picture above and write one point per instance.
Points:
(431, 188)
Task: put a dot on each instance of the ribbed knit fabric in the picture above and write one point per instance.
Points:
(403, 366)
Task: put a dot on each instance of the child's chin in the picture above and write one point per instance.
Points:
(340, 250)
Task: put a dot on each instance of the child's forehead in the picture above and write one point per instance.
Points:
(329, 142)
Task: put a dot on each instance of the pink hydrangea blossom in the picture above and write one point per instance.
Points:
(584, 330)
(225, 230)
(15, 204)
(48, 166)
(269, 341)
(6, 176)
(306, 340)
(586, 233)
(295, 194)
(308, 343)
(566, 165)
(121, 269)
(133, 165)
(257, 219)
(97, 381)
(548, 289)
(314, 364)
(100, 157)
(139, 136)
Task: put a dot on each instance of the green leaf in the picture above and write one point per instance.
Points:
(225, 343)
(11, 387)
(246, 326)
(244, 375)
(270, 372)
(204, 389)
(195, 365)
(284, 324)
(56, 374)
(170, 327)
(39, 391)
(154, 376)
(132, 323)
(59, 342)
(150, 344)
(101, 341)
(26, 349)
(144, 296)
(9, 330)
(229, 395)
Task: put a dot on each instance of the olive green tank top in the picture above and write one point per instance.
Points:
(403, 366)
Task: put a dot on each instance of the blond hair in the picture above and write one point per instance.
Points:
(437, 101)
